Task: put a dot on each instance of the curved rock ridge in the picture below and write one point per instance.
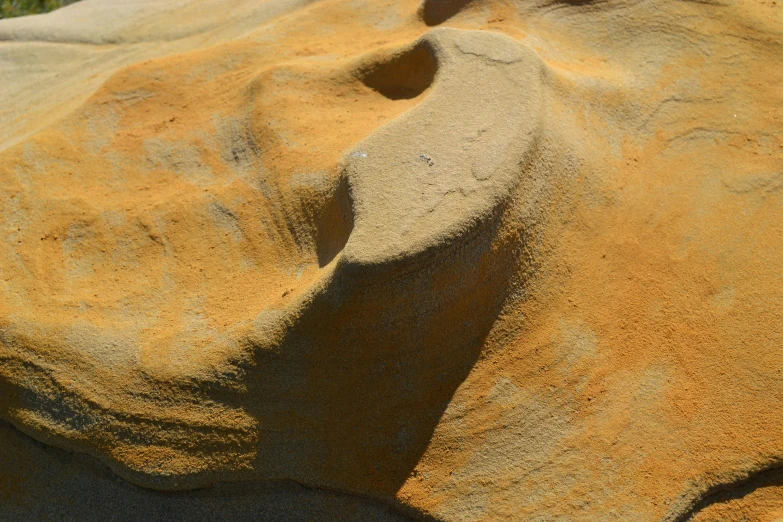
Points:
(465, 261)
(447, 172)
(298, 389)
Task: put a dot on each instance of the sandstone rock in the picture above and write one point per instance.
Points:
(457, 261)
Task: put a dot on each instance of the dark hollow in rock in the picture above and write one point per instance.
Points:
(434, 12)
(405, 75)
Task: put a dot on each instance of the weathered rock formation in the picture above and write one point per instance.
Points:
(452, 260)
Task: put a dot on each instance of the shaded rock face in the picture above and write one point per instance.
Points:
(458, 261)
(46, 483)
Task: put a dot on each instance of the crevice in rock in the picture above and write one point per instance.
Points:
(727, 491)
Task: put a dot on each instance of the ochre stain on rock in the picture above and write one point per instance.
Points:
(472, 261)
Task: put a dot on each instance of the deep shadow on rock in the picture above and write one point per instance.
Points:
(39, 482)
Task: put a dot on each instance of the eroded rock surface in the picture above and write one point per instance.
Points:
(457, 261)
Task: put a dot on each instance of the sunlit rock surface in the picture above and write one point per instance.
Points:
(365, 260)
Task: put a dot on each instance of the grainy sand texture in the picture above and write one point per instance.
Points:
(373, 260)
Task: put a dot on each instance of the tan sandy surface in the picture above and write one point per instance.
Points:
(454, 260)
